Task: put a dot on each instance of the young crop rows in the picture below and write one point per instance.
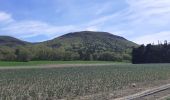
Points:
(72, 82)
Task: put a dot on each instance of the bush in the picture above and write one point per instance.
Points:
(127, 57)
(110, 56)
(7, 54)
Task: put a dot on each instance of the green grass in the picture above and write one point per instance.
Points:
(57, 83)
(34, 63)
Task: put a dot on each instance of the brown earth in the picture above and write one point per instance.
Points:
(130, 90)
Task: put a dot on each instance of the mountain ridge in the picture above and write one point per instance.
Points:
(83, 45)
(88, 37)
(11, 41)
(6, 38)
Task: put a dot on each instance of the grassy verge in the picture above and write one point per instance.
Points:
(34, 63)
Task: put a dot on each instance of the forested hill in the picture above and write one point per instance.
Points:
(93, 45)
(85, 45)
(11, 41)
(98, 41)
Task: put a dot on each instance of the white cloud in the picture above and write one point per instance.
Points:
(103, 8)
(153, 38)
(144, 10)
(30, 28)
(139, 11)
(5, 17)
(92, 28)
(139, 18)
(27, 29)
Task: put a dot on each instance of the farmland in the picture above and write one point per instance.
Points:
(35, 63)
(77, 82)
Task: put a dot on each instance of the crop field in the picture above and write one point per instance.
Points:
(74, 82)
(35, 63)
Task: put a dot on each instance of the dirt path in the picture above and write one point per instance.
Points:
(150, 94)
(53, 66)
(129, 91)
(164, 97)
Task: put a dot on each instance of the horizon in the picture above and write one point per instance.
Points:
(153, 43)
(57, 36)
(140, 21)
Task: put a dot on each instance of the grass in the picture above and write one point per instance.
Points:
(167, 98)
(72, 82)
(34, 63)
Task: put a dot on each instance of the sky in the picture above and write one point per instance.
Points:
(140, 21)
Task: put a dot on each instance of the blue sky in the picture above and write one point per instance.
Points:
(141, 21)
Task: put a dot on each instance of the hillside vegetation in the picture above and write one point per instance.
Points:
(11, 41)
(85, 45)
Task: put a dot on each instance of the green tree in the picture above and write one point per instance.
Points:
(110, 56)
(7, 54)
(23, 54)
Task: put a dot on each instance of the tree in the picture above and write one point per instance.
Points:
(152, 53)
(7, 54)
(23, 54)
(110, 56)
(138, 54)
(127, 57)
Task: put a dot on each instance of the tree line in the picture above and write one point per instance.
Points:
(151, 53)
(41, 52)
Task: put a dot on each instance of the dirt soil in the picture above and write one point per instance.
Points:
(130, 90)
(156, 96)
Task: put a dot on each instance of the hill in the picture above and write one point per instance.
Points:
(11, 41)
(101, 41)
(88, 44)
(85, 45)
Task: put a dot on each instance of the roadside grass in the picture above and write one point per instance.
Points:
(35, 63)
(166, 97)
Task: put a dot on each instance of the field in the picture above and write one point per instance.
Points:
(35, 63)
(77, 82)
